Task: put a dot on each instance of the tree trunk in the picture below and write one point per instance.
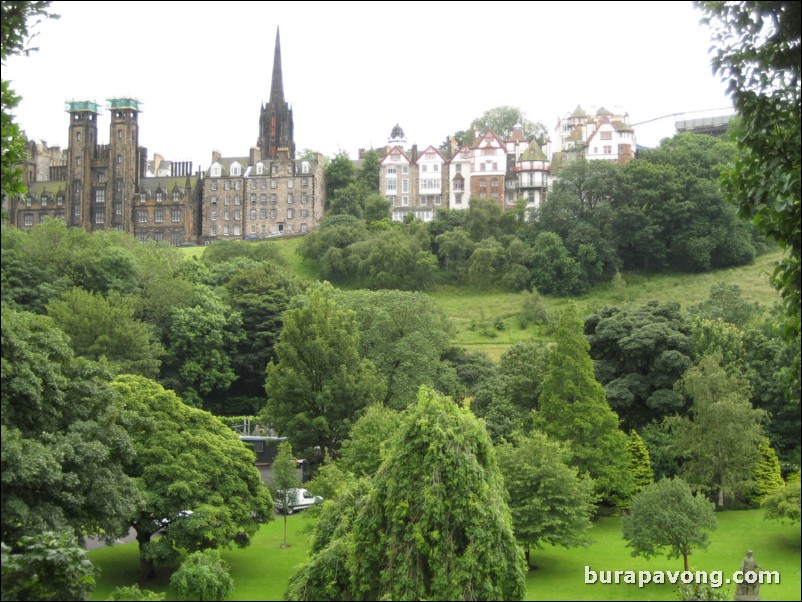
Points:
(146, 570)
(526, 551)
(721, 493)
(685, 558)
(285, 530)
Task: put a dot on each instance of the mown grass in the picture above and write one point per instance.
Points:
(262, 570)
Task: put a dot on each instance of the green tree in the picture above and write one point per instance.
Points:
(503, 119)
(639, 353)
(758, 56)
(46, 566)
(203, 575)
(435, 525)
(549, 501)
(640, 464)
(18, 20)
(719, 440)
(319, 384)
(285, 481)
(784, 504)
(574, 409)
(454, 248)
(666, 518)
(134, 592)
(767, 478)
(404, 334)
(365, 448)
(554, 271)
(261, 294)
(339, 173)
(64, 442)
(202, 340)
(199, 482)
(370, 170)
(105, 327)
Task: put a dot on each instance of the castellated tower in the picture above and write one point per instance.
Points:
(81, 150)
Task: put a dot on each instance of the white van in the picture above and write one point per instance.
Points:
(297, 499)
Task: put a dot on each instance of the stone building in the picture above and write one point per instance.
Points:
(98, 186)
(268, 192)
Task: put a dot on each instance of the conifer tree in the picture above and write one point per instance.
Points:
(574, 409)
(640, 463)
(768, 477)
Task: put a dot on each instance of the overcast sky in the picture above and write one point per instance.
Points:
(354, 70)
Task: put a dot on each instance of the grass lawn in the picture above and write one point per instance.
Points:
(261, 571)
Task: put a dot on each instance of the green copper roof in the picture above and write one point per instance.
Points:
(82, 105)
(123, 103)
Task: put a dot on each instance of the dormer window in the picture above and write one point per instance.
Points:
(236, 170)
(305, 167)
(159, 196)
(176, 196)
(215, 171)
(260, 169)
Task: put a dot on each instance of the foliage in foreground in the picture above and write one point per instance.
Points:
(433, 523)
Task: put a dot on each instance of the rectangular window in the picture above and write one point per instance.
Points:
(253, 199)
(253, 185)
(159, 216)
(227, 185)
(158, 237)
(238, 185)
(159, 196)
(236, 230)
(606, 135)
(273, 214)
(290, 213)
(608, 150)
(28, 219)
(405, 169)
(458, 168)
(390, 170)
(392, 185)
(458, 199)
(263, 214)
(405, 185)
(228, 200)
(273, 197)
(176, 215)
(304, 213)
(263, 199)
(100, 195)
(213, 200)
(213, 230)
(273, 183)
(304, 197)
(237, 199)
(405, 201)
(118, 208)
(226, 230)
(175, 240)
(214, 185)
(253, 213)
(237, 214)
(226, 215)
(213, 216)
(290, 183)
(289, 198)
(304, 182)
(142, 216)
(263, 184)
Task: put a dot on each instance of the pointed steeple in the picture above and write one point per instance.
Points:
(277, 85)
(275, 120)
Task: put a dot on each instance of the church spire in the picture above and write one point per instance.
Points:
(277, 86)
(275, 121)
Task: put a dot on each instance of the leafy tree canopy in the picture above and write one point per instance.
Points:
(666, 518)
(758, 55)
(197, 478)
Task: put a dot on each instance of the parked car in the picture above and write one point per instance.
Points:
(297, 499)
